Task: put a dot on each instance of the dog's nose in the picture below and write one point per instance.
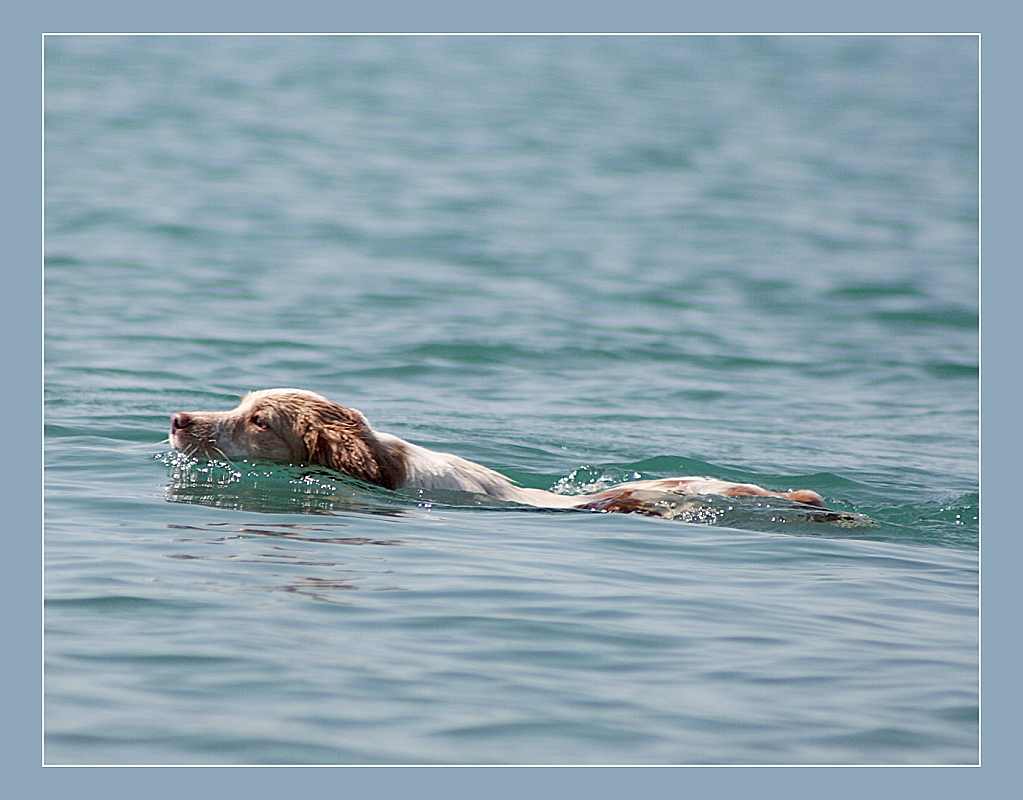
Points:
(180, 420)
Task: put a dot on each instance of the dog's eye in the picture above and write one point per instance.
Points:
(259, 422)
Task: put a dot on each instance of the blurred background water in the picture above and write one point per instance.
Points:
(573, 259)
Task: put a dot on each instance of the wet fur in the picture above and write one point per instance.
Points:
(298, 426)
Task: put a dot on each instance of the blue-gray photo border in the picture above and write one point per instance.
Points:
(22, 330)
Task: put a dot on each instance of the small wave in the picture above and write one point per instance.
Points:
(281, 488)
(854, 508)
(588, 479)
(270, 488)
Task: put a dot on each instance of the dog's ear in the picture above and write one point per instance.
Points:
(339, 438)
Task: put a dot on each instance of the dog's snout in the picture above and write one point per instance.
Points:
(180, 420)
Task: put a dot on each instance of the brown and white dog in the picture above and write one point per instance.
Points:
(298, 426)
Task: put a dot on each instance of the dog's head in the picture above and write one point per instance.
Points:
(289, 425)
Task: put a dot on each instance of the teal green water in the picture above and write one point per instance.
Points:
(575, 260)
